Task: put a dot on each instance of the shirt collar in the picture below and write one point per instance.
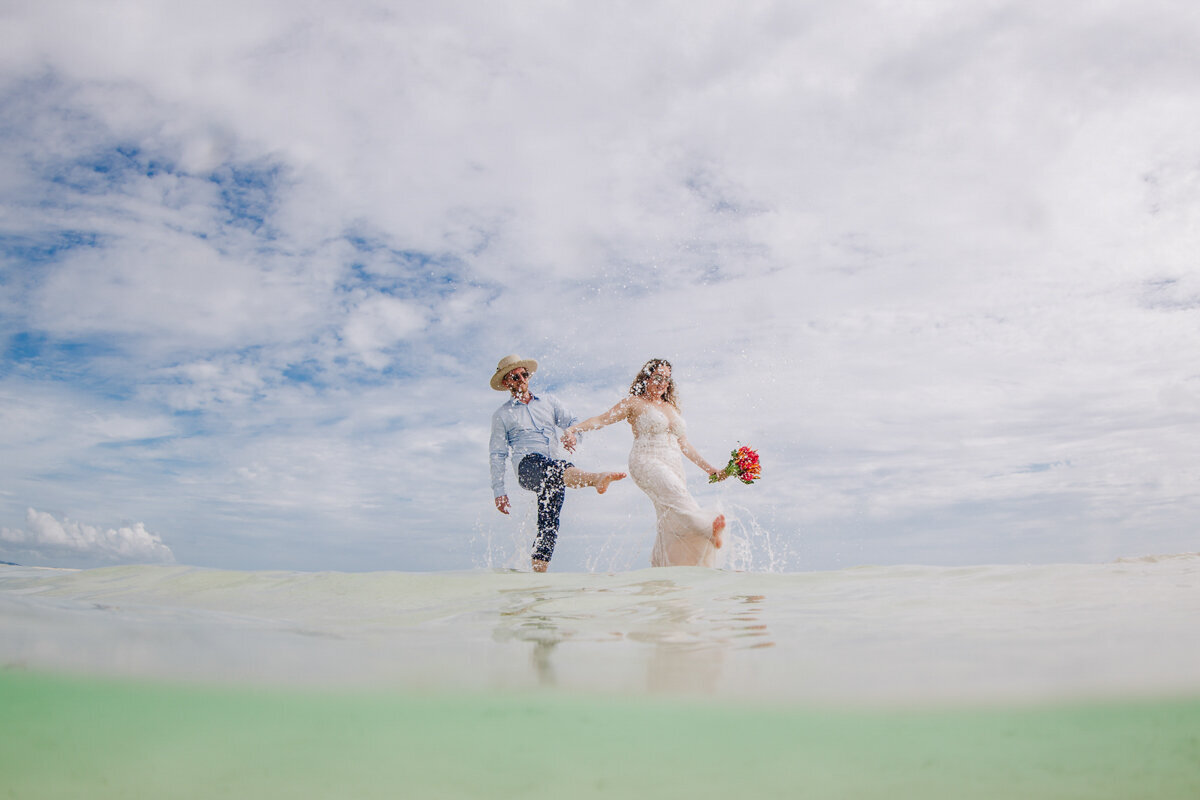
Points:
(514, 401)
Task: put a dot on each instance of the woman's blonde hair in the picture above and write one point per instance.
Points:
(638, 387)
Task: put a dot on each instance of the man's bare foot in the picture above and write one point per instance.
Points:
(540, 566)
(718, 528)
(606, 478)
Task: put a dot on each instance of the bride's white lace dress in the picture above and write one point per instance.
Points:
(656, 466)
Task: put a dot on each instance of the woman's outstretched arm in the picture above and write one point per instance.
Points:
(615, 414)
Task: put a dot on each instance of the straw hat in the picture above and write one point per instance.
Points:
(507, 365)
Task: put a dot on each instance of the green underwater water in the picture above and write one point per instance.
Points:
(63, 737)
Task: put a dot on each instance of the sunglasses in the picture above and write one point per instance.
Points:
(516, 375)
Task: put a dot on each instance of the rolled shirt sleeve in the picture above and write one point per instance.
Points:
(564, 418)
(498, 454)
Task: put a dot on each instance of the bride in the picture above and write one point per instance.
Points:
(686, 534)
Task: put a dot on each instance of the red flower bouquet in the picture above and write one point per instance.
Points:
(743, 465)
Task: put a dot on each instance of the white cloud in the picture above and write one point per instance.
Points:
(909, 252)
(67, 542)
(378, 323)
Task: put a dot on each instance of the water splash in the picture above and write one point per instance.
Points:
(504, 547)
(752, 547)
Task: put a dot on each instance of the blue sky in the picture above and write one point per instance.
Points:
(935, 260)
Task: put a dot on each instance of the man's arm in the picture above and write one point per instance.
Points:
(564, 419)
(497, 458)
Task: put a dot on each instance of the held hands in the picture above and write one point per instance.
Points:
(569, 440)
(502, 504)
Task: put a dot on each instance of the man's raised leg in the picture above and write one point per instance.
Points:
(577, 478)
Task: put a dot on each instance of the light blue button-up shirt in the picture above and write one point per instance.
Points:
(524, 429)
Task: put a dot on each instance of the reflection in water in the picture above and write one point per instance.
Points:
(522, 621)
(683, 668)
(688, 641)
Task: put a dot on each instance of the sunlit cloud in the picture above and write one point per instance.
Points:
(46, 539)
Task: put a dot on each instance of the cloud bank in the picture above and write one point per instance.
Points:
(46, 541)
(258, 259)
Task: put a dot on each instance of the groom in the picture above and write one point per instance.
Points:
(526, 424)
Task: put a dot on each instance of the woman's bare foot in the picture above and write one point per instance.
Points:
(718, 528)
(606, 478)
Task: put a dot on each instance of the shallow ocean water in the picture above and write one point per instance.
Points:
(876, 635)
(990, 681)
